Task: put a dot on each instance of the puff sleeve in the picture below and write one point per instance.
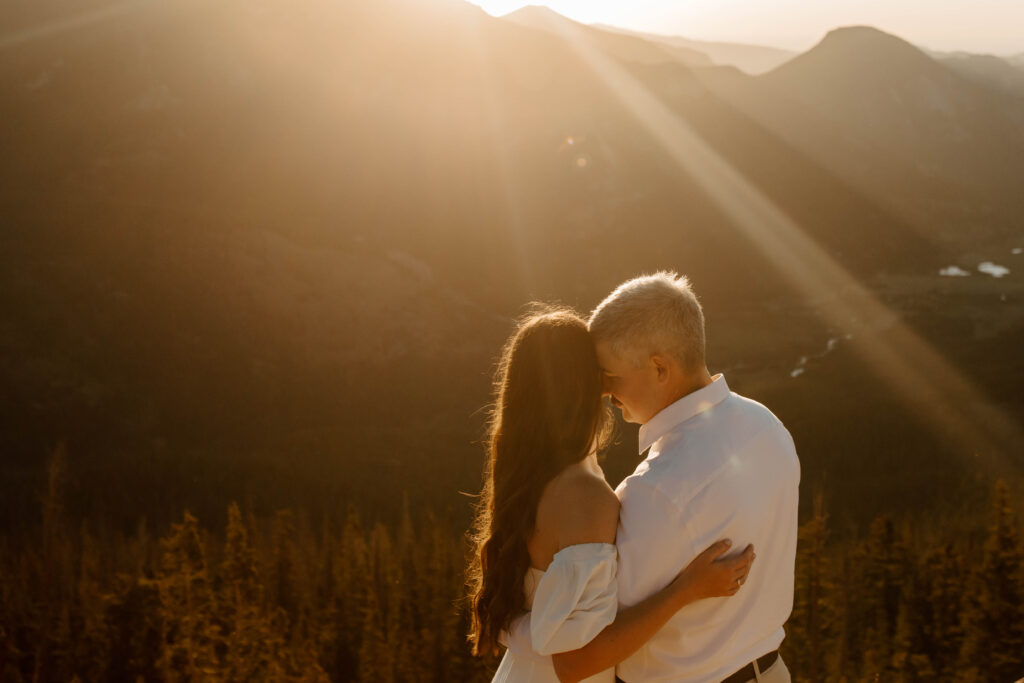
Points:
(576, 598)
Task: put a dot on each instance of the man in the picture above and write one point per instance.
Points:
(719, 466)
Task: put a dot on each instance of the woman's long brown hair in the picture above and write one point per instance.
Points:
(547, 415)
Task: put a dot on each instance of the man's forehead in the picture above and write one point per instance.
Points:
(607, 357)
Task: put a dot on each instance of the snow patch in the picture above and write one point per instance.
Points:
(992, 269)
(953, 271)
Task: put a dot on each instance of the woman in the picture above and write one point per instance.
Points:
(545, 527)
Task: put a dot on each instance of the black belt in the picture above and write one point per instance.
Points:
(747, 673)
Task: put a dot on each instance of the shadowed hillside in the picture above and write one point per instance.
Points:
(881, 88)
(268, 251)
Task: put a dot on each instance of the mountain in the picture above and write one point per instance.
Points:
(259, 248)
(619, 46)
(883, 90)
(751, 59)
(987, 70)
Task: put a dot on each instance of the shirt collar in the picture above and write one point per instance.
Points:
(682, 410)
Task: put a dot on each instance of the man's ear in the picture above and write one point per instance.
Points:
(661, 367)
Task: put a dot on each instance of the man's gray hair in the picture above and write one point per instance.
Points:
(652, 314)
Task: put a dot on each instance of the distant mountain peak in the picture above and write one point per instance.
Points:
(860, 52)
(865, 37)
(541, 16)
(858, 30)
(536, 12)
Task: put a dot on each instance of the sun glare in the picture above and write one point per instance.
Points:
(75, 21)
(938, 392)
(987, 26)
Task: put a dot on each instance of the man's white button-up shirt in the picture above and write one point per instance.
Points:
(720, 466)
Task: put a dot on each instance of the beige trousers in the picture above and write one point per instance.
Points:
(776, 673)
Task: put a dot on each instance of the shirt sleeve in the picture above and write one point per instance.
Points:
(653, 543)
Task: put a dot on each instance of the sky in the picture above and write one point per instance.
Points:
(984, 26)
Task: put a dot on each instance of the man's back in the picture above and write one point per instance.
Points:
(720, 466)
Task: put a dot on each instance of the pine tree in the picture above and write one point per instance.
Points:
(848, 656)
(325, 618)
(10, 618)
(284, 592)
(354, 581)
(911, 660)
(408, 614)
(136, 627)
(92, 639)
(811, 623)
(993, 648)
(51, 582)
(376, 661)
(249, 643)
(238, 569)
(884, 571)
(933, 627)
(187, 606)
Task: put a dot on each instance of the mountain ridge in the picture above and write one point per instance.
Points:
(880, 87)
(751, 59)
(621, 46)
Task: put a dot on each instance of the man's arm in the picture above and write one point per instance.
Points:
(705, 577)
(652, 541)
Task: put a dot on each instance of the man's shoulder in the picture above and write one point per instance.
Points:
(645, 481)
(658, 482)
(643, 497)
(748, 408)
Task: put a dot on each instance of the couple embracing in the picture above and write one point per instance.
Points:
(658, 579)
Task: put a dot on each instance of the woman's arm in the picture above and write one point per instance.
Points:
(705, 577)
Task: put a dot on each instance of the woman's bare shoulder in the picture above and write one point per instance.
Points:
(581, 508)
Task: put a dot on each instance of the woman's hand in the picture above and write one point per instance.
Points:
(710, 575)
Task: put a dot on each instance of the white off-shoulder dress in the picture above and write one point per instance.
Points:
(569, 605)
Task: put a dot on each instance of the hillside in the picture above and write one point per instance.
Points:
(880, 114)
(624, 47)
(751, 59)
(884, 89)
(269, 251)
(987, 70)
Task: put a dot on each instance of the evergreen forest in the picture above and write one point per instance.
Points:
(290, 598)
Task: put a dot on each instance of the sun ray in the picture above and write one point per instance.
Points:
(907, 364)
(76, 22)
(512, 192)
